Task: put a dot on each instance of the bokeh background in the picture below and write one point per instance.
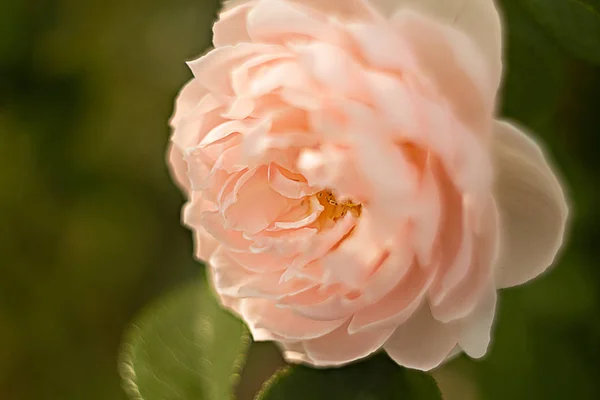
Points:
(89, 219)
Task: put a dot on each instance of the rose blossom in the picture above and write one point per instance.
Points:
(348, 184)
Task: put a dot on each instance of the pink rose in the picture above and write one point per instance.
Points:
(348, 184)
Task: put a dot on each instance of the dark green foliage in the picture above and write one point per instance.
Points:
(377, 378)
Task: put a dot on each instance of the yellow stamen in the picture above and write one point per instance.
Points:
(333, 210)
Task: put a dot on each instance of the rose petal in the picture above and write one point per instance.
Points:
(461, 300)
(532, 204)
(478, 19)
(178, 168)
(263, 314)
(398, 305)
(448, 59)
(231, 28)
(213, 69)
(475, 332)
(422, 342)
(276, 20)
(339, 347)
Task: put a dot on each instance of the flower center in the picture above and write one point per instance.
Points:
(334, 210)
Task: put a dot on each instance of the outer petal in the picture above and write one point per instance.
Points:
(339, 347)
(479, 19)
(263, 315)
(453, 63)
(532, 204)
(475, 332)
(422, 342)
(231, 28)
(204, 243)
(178, 168)
(347, 9)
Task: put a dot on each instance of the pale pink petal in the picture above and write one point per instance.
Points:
(232, 240)
(334, 166)
(422, 342)
(532, 204)
(213, 69)
(187, 99)
(230, 29)
(397, 306)
(263, 314)
(244, 75)
(256, 193)
(231, 279)
(284, 74)
(354, 261)
(205, 244)
(277, 20)
(339, 347)
(478, 19)
(178, 168)
(333, 68)
(460, 301)
(284, 243)
(323, 303)
(475, 328)
(293, 352)
(382, 162)
(327, 238)
(394, 100)
(345, 9)
(222, 131)
(260, 262)
(290, 187)
(351, 10)
(448, 59)
(427, 218)
(192, 127)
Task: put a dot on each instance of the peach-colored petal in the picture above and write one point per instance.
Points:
(256, 190)
(289, 187)
(355, 259)
(293, 352)
(187, 99)
(205, 244)
(460, 301)
(231, 29)
(475, 329)
(346, 9)
(333, 68)
(212, 69)
(274, 20)
(397, 306)
(260, 262)
(478, 19)
(426, 221)
(450, 61)
(422, 342)
(532, 204)
(192, 127)
(231, 279)
(232, 240)
(339, 347)
(178, 168)
(263, 314)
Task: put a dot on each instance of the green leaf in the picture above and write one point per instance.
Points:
(573, 23)
(377, 378)
(184, 347)
(535, 71)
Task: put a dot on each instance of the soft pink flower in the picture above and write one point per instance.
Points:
(348, 184)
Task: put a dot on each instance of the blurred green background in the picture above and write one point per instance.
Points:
(89, 219)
